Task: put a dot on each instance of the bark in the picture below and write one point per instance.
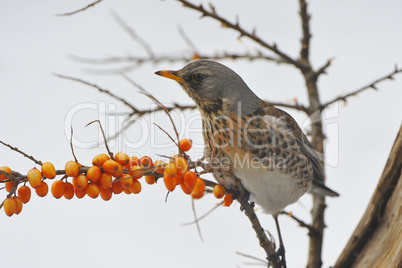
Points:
(377, 240)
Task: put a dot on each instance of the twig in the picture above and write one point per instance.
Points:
(305, 41)
(79, 10)
(372, 85)
(236, 27)
(99, 89)
(187, 40)
(300, 222)
(196, 220)
(252, 257)
(104, 136)
(24, 154)
(164, 131)
(133, 35)
(71, 145)
(203, 216)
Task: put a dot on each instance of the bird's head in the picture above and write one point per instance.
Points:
(214, 87)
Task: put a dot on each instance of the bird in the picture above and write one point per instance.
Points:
(248, 140)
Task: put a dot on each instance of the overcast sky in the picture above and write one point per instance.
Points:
(38, 108)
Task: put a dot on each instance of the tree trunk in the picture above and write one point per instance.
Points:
(377, 240)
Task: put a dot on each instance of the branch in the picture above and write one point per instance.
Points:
(372, 85)
(300, 222)
(38, 162)
(305, 41)
(235, 26)
(79, 10)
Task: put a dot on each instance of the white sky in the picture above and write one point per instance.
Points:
(363, 37)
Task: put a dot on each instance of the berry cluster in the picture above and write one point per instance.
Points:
(108, 175)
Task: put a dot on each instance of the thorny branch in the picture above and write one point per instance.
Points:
(81, 9)
(372, 85)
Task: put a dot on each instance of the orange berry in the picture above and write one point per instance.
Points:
(160, 166)
(113, 168)
(146, 161)
(72, 168)
(134, 161)
(9, 185)
(105, 180)
(122, 158)
(179, 179)
(5, 169)
(126, 181)
(58, 189)
(19, 204)
(170, 182)
(135, 172)
(127, 191)
(34, 177)
(42, 189)
(24, 192)
(135, 188)
(80, 181)
(92, 190)
(185, 189)
(190, 179)
(170, 169)
(80, 193)
(48, 170)
(9, 206)
(106, 194)
(185, 145)
(100, 159)
(219, 191)
(117, 188)
(181, 165)
(150, 179)
(228, 200)
(69, 191)
(196, 196)
(199, 187)
(94, 173)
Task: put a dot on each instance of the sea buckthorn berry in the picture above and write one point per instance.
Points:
(170, 169)
(5, 169)
(127, 191)
(72, 168)
(80, 193)
(185, 189)
(196, 196)
(69, 191)
(24, 192)
(9, 206)
(146, 161)
(179, 178)
(135, 172)
(122, 158)
(170, 182)
(18, 203)
(42, 189)
(58, 189)
(100, 159)
(185, 145)
(48, 170)
(9, 185)
(113, 168)
(106, 194)
(105, 180)
(126, 181)
(219, 191)
(80, 182)
(134, 161)
(135, 188)
(160, 166)
(228, 200)
(94, 173)
(190, 179)
(181, 165)
(150, 180)
(117, 188)
(34, 177)
(199, 187)
(92, 190)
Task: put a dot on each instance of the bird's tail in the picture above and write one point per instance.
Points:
(320, 189)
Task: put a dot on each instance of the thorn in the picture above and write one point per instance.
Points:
(212, 8)
(254, 31)
(373, 87)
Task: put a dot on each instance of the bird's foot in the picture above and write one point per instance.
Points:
(278, 257)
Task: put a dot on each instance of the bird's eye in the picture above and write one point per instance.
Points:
(198, 77)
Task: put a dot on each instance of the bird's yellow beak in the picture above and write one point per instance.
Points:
(170, 75)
